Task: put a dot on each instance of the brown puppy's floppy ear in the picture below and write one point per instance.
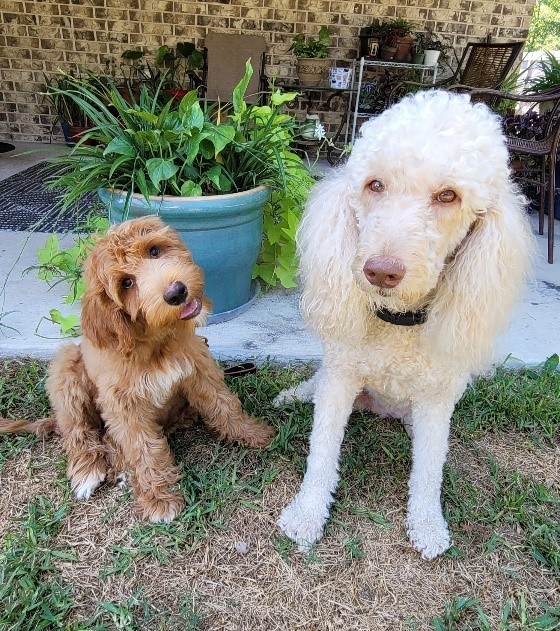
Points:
(103, 321)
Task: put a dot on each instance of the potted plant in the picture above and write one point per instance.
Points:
(311, 54)
(547, 79)
(417, 53)
(434, 47)
(208, 170)
(181, 65)
(372, 37)
(71, 117)
(400, 38)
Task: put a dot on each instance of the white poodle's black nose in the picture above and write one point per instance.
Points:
(383, 271)
(176, 294)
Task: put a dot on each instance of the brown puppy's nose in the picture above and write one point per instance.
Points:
(383, 271)
(176, 294)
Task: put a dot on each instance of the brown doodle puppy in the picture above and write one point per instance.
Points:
(139, 370)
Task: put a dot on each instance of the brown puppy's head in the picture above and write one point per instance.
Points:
(141, 283)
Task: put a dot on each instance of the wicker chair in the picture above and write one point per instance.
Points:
(544, 150)
(483, 65)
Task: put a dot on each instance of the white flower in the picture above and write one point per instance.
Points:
(320, 132)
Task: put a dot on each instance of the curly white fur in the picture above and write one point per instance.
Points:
(465, 261)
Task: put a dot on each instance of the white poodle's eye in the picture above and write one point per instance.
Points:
(447, 196)
(376, 186)
(126, 283)
(154, 251)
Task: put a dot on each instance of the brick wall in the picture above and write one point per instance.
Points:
(39, 36)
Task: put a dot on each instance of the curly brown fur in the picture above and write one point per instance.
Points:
(139, 370)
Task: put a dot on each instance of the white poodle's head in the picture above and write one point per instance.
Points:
(423, 215)
(418, 179)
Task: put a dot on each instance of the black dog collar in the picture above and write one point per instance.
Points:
(407, 318)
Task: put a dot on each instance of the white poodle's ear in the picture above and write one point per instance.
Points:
(331, 303)
(481, 283)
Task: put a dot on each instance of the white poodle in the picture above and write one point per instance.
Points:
(412, 255)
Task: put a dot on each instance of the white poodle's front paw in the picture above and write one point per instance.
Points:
(430, 536)
(302, 522)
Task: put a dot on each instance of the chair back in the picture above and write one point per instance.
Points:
(487, 65)
(226, 56)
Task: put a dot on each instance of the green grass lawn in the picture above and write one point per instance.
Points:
(223, 564)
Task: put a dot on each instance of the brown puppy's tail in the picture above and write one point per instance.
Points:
(43, 427)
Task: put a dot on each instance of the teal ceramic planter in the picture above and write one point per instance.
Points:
(223, 232)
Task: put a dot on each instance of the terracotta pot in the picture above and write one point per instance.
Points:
(176, 93)
(403, 45)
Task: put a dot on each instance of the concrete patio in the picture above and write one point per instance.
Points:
(272, 327)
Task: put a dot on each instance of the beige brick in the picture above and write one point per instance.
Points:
(225, 10)
(11, 6)
(76, 10)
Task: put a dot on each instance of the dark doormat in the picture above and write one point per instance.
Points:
(26, 205)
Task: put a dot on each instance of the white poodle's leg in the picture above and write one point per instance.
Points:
(426, 526)
(303, 519)
(304, 391)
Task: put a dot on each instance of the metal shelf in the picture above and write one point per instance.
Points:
(364, 62)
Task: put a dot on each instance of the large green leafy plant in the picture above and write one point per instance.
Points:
(312, 47)
(155, 146)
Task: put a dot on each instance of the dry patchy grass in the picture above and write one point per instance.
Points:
(223, 564)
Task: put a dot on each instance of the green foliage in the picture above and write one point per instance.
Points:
(544, 32)
(66, 109)
(278, 262)
(178, 63)
(155, 147)
(312, 46)
(32, 592)
(65, 265)
(548, 78)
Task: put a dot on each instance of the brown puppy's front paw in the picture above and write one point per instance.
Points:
(257, 434)
(161, 508)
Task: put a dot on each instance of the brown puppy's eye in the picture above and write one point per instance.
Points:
(126, 283)
(376, 186)
(447, 196)
(154, 251)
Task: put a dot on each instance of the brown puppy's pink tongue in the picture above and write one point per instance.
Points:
(191, 309)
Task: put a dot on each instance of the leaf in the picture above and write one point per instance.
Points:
(286, 277)
(214, 175)
(49, 250)
(279, 98)
(194, 118)
(240, 89)
(120, 146)
(185, 48)
(551, 364)
(160, 169)
(191, 189)
(187, 102)
(215, 139)
(67, 323)
(133, 55)
(147, 116)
